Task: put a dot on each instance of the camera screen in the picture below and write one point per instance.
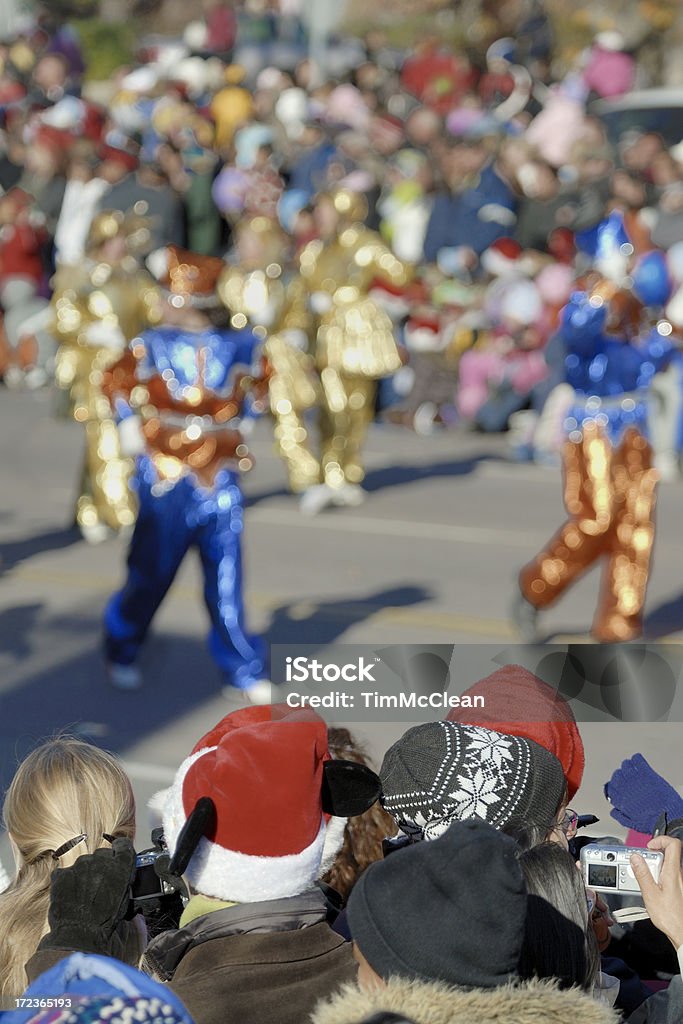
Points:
(603, 875)
(146, 882)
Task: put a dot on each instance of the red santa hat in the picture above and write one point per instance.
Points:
(423, 332)
(518, 703)
(390, 297)
(273, 784)
(504, 258)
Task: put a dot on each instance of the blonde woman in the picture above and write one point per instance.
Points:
(68, 798)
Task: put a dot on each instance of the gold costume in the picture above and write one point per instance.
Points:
(98, 308)
(609, 494)
(353, 338)
(256, 296)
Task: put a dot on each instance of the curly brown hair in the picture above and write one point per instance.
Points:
(363, 834)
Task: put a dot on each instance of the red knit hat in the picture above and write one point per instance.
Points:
(263, 768)
(518, 703)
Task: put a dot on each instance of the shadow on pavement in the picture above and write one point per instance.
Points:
(393, 476)
(327, 621)
(665, 619)
(274, 492)
(70, 692)
(396, 476)
(16, 551)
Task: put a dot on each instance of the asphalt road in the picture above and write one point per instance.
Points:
(431, 557)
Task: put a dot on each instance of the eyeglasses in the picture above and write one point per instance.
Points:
(569, 824)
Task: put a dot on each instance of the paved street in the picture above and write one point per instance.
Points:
(430, 558)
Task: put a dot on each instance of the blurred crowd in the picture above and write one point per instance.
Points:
(290, 883)
(486, 174)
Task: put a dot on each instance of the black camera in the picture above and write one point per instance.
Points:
(147, 884)
(151, 893)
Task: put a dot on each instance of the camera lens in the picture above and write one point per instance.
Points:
(611, 856)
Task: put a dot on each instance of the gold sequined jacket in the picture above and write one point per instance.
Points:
(353, 334)
(98, 308)
(259, 299)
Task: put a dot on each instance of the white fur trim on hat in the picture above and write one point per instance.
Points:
(497, 264)
(233, 876)
(242, 878)
(334, 840)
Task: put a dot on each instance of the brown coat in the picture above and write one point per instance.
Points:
(269, 963)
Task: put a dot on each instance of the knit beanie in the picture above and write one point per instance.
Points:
(441, 772)
(95, 989)
(451, 911)
(518, 703)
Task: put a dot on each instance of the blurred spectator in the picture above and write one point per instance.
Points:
(477, 208)
(147, 192)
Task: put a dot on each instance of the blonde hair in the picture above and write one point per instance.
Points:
(62, 789)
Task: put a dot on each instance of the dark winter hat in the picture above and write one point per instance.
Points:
(450, 911)
(442, 772)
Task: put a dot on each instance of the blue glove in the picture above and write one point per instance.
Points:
(639, 795)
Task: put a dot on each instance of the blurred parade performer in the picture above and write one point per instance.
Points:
(181, 393)
(609, 477)
(99, 307)
(254, 291)
(353, 338)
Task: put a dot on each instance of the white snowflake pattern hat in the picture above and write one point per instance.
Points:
(442, 772)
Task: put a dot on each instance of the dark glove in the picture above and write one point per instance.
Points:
(89, 899)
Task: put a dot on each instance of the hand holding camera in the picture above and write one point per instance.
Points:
(609, 868)
(663, 897)
(90, 899)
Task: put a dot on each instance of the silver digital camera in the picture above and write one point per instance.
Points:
(608, 868)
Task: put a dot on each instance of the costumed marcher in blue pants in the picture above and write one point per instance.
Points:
(180, 392)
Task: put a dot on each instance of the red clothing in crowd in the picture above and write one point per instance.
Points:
(20, 251)
(221, 25)
(438, 79)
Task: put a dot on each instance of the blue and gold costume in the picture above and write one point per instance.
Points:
(189, 388)
(609, 479)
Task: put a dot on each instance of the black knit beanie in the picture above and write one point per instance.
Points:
(441, 772)
(451, 910)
